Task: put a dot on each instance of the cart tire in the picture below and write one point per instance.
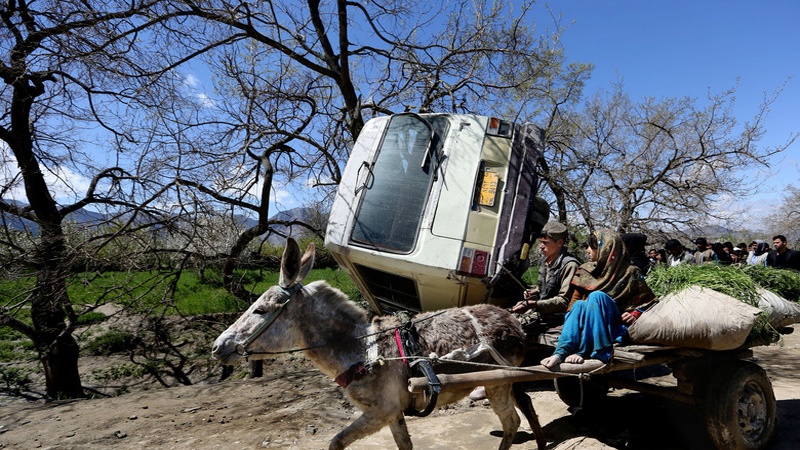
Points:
(569, 391)
(740, 409)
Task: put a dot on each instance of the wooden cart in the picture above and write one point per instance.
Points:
(734, 394)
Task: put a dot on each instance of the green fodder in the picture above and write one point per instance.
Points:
(726, 279)
(783, 282)
(729, 280)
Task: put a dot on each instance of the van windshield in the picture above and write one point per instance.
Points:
(395, 197)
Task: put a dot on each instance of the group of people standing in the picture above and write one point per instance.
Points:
(758, 253)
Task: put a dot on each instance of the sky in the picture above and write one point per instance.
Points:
(683, 48)
(677, 48)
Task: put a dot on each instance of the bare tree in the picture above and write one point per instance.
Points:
(786, 216)
(85, 79)
(296, 83)
(657, 165)
(71, 71)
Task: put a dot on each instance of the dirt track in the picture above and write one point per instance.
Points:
(294, 406)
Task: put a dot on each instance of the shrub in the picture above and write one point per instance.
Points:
(15, 378)
(118, 372)
(111, 342)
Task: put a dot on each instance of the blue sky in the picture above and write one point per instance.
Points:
(686, 48)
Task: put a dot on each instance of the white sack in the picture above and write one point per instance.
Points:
(696, 318)
(781, 312)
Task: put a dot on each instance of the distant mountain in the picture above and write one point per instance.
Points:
(91, 218)
(81, 217)
(301, 214)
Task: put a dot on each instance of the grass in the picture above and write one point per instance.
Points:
(91, 317)
(15, 379)
(155, 293)
(118, 372)
(15, 350)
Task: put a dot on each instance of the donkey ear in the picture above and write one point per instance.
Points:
(290, 263)
(307, 262)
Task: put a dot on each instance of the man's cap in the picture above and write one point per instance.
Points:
(554, 230)
(701, 241)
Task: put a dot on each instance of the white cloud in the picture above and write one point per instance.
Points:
(282, 197)
(65, 185)
(205, 100)
(196, 90)
(191, 81)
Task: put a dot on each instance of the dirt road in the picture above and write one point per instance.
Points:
(295, 407)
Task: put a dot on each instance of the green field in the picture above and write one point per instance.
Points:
(158, 293)
(187, 293)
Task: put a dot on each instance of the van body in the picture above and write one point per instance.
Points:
(437, 210)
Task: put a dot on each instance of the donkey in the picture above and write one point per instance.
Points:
(363, 356)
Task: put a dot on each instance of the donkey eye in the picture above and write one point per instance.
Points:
(260, 311)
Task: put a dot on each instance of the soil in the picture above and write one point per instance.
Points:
(295, 407)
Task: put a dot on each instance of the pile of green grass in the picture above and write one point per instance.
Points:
(726, 279)
(783, 282)
(739, 283)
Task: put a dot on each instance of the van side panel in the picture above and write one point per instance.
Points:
(463, 159)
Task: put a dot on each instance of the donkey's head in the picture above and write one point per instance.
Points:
(268, 325)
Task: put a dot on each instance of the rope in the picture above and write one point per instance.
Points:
(511, 274)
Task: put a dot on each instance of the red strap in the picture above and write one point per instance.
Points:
(356, 372)
(400, 345)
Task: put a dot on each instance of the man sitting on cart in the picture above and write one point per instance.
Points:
(544, 306)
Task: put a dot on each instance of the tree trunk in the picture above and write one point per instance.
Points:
(57, 348)
(60, 364)
(50, 303)
(232, 286)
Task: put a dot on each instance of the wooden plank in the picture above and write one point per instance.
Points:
(502, 376)
(628, 360)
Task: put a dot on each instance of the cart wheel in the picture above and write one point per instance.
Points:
(569, 391)
(740, 407)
